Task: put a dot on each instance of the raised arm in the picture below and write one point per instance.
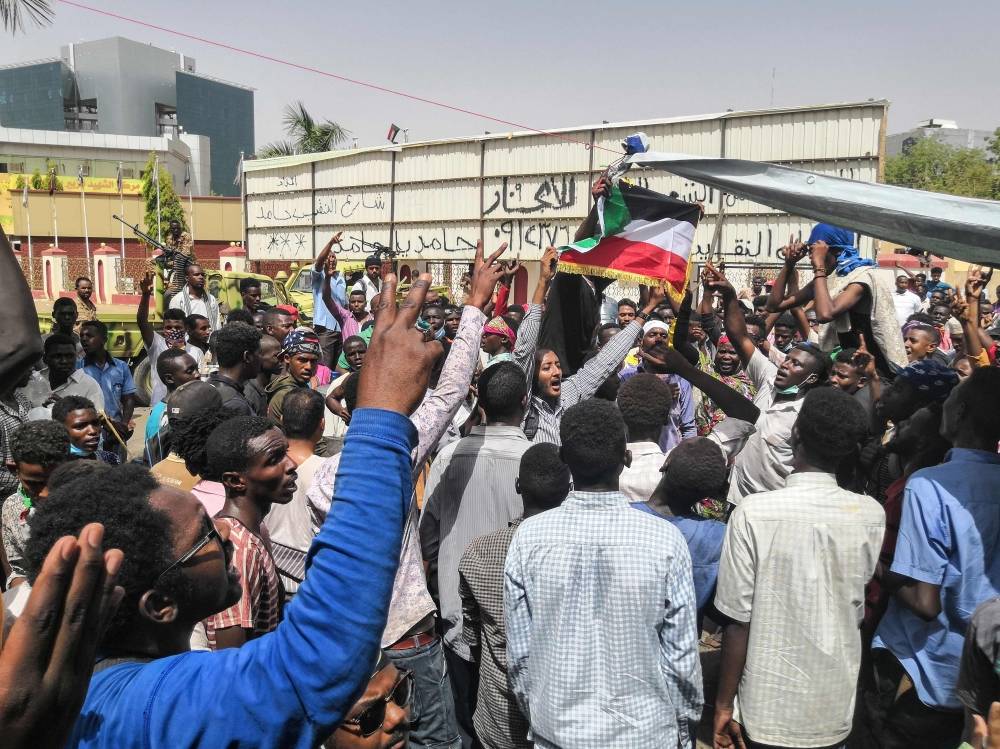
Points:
(782, 297)
(20, 342)
(317, 662)
(320, 263)
(733, 318)
(729, 401)
(142, 313)
(527, 333)
(438, 408)
(592, 375)
(602, 187)
(828, 308)
(968, 313)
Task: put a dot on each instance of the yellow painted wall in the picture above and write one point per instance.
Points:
(214, 219)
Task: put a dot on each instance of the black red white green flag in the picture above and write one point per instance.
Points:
(642, 236)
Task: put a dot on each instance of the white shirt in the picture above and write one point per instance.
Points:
(206, 305)
(38, 390)
(368, 286)
(639, 480)
(794, 564)
(906, 304)
(153, 351)
(766, 459)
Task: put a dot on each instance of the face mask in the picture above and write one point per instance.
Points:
(78, 452)
(793, 390)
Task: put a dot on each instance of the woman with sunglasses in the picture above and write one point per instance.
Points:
(381, 718)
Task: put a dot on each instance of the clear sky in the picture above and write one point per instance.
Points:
(561, 63)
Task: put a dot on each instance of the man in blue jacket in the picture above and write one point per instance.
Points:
(289, 688)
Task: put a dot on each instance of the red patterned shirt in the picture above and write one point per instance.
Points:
(259, 608)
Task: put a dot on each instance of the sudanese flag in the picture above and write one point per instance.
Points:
(643, 237)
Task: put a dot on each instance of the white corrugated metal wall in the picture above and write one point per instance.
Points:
(433, 201)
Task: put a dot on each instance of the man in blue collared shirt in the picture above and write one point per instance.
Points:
(947, 562)
(324, 323)
(112, 374)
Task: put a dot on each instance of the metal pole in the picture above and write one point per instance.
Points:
(55, 216)
(191, 211)
(156, 176)
(121, 198)
(31, 254)
(86, 232)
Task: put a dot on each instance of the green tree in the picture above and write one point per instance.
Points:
(16, 14)
(170, 204)
(930, 165)
(305, 133)
(994, 146)
(52, 182)
(37, 180)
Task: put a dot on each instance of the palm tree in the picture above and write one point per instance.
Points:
(307, 135)
(15, 14)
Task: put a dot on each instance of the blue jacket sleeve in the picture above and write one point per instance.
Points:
(289, 688)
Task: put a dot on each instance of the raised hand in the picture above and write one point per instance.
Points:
(974, 282)
(602, 187)
(663, 359)
(399, 360)
(657, 295)
(794, 251)
(550, 261)
(714, 280)
(485, 275)
(46, 662)
(146, 284)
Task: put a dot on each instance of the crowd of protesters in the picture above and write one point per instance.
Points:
(420, 522)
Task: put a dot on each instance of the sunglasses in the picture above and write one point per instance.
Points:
(373, 718)
(212, 535)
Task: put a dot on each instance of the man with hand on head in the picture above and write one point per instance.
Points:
(600, 608)
(251, 456)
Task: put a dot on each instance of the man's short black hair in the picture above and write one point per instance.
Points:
(820, 359)
(166, 361)
(41, 443)
(543, 478)
(76, 283)
(240, 314)
(233, 340)
(68, 404)
(830, 426)
(102, 329)
(350, 385)
(192, 320)
(356, 339)
(58, 339)
(626, 302)
(271, 316)
(301, 413)
(757, 320)
(760, 301)
(787, 320)
(935, 271)
(502, 390)
(189, 437)
(360, 292)
(697, 469)
(513, 322)
(929, 329)
(228, 445)
(63, 301)
(593, 440)
(981, 390)
(118, 498)
(941, 304)
(644, 401)
(73, 470)
(249, 283)
(174, 314)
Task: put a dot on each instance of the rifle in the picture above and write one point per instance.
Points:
(166, 259)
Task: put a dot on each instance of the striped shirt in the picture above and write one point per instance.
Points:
(259, 608)
(602, 645)
(543, 418)
(498, 720)
(470, 492)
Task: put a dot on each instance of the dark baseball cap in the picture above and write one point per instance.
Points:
(191, 398)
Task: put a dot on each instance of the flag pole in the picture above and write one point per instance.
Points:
(83, 209)
(31, 253)
(121, 199)
(156, 176)
(55, 213)
(187, 180)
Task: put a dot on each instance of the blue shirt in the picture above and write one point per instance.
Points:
(681, 425)
(949, 535)
(338, 289)
(115, 380)
(704, 539)
(291, 687)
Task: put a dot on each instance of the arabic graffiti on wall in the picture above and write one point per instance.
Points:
(518, 196)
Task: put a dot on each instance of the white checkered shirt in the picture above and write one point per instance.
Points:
(794, 564)
(601, 639)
